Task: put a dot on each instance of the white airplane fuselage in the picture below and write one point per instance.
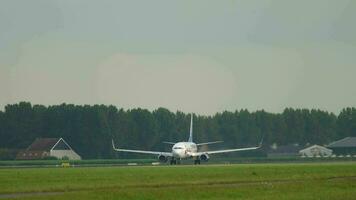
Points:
(182, 150)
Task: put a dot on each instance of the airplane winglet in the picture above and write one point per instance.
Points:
(260, 144)
(113, 145)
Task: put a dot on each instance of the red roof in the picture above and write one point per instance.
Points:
(43, 144)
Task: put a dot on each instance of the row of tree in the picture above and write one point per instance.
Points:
(89, 129)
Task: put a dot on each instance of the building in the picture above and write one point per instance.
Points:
(48, 147)
(316, 151)
(291, 150)
(346, 146)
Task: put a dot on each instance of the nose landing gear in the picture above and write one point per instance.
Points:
(175, 161)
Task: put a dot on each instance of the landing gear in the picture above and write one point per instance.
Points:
(197, 162)
(173, 162)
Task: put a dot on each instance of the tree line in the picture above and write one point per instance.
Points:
(90, 128)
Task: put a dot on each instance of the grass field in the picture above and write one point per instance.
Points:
(148, 161)
(46, 163)
(244, 181)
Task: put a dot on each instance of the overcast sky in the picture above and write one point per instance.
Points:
(194, 56)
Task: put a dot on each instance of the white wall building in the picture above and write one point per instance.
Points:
(48, 147)
(62, 150)
(316, 151)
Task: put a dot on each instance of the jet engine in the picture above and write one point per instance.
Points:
(204, 157)
(162, 158)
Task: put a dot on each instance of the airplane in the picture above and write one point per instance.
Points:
(185, 150)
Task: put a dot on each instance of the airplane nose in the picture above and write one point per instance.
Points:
(176, 153)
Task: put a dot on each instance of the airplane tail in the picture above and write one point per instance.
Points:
(191, 129)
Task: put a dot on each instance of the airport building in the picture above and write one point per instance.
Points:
(346, 146)
(316, 151)
(291, 150)
(48, 147)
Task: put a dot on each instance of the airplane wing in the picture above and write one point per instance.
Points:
(224, 151)
(168, 154)
(228, 150)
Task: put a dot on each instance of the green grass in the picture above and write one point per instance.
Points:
(245, 181)
(148, 161)
(46, 163)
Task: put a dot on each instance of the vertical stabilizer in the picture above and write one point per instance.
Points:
(191, 129)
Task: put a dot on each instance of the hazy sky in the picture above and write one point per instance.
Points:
(194, 56)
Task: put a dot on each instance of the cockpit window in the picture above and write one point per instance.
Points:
(177, 148)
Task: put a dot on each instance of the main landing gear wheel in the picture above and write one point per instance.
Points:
(173, 162)
(196, 162)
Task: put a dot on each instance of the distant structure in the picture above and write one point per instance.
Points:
(346, 146)
(48, 147)
(316, 151)
(291, 150)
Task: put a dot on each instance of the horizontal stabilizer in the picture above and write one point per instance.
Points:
(169, 142)
(206, 143)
